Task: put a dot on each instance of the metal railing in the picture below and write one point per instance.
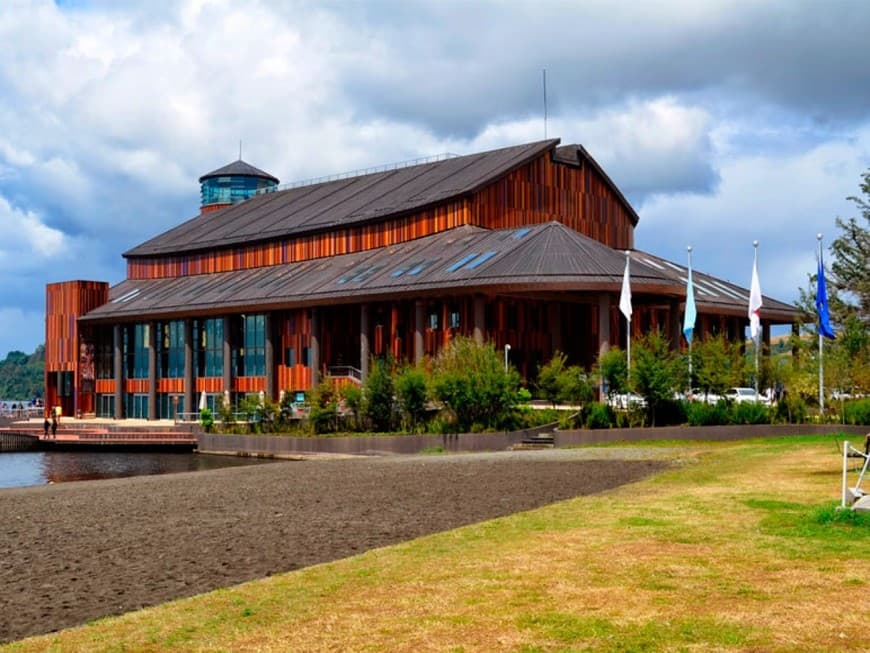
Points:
(346, 371)
(388, 167)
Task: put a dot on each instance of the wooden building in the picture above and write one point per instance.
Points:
(270, 290)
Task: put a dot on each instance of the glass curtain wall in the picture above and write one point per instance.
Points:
(135, 338)
(208, 336)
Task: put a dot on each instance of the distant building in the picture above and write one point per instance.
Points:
(268, 290)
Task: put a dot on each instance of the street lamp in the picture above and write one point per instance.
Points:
(507, 348)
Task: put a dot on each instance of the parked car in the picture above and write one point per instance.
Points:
(745, 395)
(626, 401)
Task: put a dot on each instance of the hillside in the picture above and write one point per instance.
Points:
(22, 375)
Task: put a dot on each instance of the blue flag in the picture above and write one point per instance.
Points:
(691, 313)
(822, 302)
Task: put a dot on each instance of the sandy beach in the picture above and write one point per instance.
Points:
(75, 552)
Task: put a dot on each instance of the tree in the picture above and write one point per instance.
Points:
(566, 383)
(378, 395)
(655, 372)
(850, 268)
(613, 370)
(717, 364)
(472, 383)
(410, 384)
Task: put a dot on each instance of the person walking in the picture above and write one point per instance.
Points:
(54, 425)
(45, 426)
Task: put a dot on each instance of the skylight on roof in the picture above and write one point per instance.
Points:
(520, 233)
(652, 263)
(465, 259)
(483, 258)
(398, 272)
(417, 269)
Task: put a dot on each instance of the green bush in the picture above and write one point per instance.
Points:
(600, 416)
(206, 420)
(857, 411)
(472, 383)
(749, 412)
(791, 409)
(669, 412)
(378, 396)
(700, 413)
(410, 384)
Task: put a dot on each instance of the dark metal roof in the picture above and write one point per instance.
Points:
(714, 295)
(340, 203)
(238, 169)
(532, 259)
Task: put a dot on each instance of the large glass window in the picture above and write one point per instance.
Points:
(105, 405)
(232, 188)
(104, 353)
(136, 406)
(136, 351)
(170, 350)
(209, 338)
(253, 356)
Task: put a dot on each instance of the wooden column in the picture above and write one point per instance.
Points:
(315, 347)
(554, 326)
(674, 328)
(227, 355)
(270, 366)
(364, 346)
(118, 363)
(152, 370)
(479, 319)
(603, 330)
(418, 332)
(189, 405)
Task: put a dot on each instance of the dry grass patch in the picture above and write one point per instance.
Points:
(724, 552)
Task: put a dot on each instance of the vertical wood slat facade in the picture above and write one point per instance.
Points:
(67, 350)
(537, 192)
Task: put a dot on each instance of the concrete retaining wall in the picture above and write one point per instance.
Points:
(269, 445)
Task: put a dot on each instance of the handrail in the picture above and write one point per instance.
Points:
(345, 370)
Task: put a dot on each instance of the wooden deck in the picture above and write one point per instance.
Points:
(82, 437)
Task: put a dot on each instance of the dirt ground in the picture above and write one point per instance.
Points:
(74, 552)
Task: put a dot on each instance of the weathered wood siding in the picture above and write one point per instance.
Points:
(538, 192)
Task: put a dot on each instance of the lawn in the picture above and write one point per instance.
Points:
(737, 547)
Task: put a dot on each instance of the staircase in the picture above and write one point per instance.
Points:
(546, 440)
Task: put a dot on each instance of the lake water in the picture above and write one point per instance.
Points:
(20, 469)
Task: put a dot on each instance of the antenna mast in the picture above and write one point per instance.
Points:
(240, 149)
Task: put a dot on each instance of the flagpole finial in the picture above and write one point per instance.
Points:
(755, 244)
(689, 248)
(819, 237)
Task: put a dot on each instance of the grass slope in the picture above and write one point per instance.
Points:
(737, 548)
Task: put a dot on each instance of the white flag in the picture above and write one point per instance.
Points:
(754, 300)
(625, 295)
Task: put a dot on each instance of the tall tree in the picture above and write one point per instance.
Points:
(851, 265)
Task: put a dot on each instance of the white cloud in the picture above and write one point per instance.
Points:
(27, 242)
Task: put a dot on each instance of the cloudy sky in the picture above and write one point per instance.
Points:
(723, 122)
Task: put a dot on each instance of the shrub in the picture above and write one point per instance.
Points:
(600, 417)
(703, 414)
(472, 383)
(352, 396)
(669, 412)
(857, 411)
(791, 409)
(206, 420)
(378, 393)
(749, 412)
(411, 393)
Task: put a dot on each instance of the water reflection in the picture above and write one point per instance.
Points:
(19, 469)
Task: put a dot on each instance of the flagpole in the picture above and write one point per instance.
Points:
(821, 346)
(628, 317)
(689, 248)
(758, 332)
